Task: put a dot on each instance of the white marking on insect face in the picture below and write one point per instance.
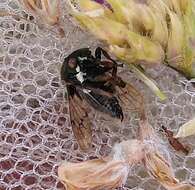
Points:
(80, 75)
(82, 58)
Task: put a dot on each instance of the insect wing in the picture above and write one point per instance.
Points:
(81, 124)
(104, 103)
(129, 97)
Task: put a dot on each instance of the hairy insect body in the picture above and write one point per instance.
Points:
(94, 81)
(86, 76)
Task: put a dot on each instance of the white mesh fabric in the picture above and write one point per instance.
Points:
(35, 133)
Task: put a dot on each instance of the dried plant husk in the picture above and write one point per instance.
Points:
(47, 10)
(98, 174)
(99, 27)
(187, 129)
(164, 28)
(111, 172)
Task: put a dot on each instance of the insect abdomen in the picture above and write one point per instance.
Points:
(109, 105)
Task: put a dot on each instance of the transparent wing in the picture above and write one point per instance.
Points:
(81, 124)
(129, 97)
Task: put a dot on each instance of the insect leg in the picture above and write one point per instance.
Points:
(112, 64)
(98, 53)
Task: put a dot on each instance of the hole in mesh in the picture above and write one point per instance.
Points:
(5, 108)
(25, 165)
(20, 152)
(33, 103)
(30, 179)
(9, 123)
(23, 129)
(11, 76)
(31, 125)
(20, 140)
(29, 38)
(142, 172)
(67, 145)
(59, 94)
(22, 26)
(46, 94)
(40, 154)
(51, 54)
(133, 181)
(25, 61)
(60, 186)
(18, 99)
(36, 117)
(9, 35)
(38, 65)
(2, 136)
(41, 80)
(104, 150)
(18, 35)
(24, 14)
(52, 157)
(182, 174)
(27, 74)
(45, 115)
(29, 89)
(55, 82)
(53, 119)
(57, 106)
(190, 163)
(13, 5)
(3, 98)
(47, 182)
(12, 50)
(11, 138)
(28, 28)
(15, 86)
(4, 74)
(37, 51)
(7, 164)
(3, 186)
(44, 168)
(12, 178)
(64, 155)
(35, 140)
(182, 99)
(47, 130)
(64, 135)
(51, 143)
(61, 121)
(21, 114)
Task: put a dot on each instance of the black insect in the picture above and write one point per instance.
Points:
(90, 79)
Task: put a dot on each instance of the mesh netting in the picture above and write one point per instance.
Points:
(35, 132)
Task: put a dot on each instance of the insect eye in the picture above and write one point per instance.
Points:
(72, 63)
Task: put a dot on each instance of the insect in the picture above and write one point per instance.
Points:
(174, 142)
(89, 79)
